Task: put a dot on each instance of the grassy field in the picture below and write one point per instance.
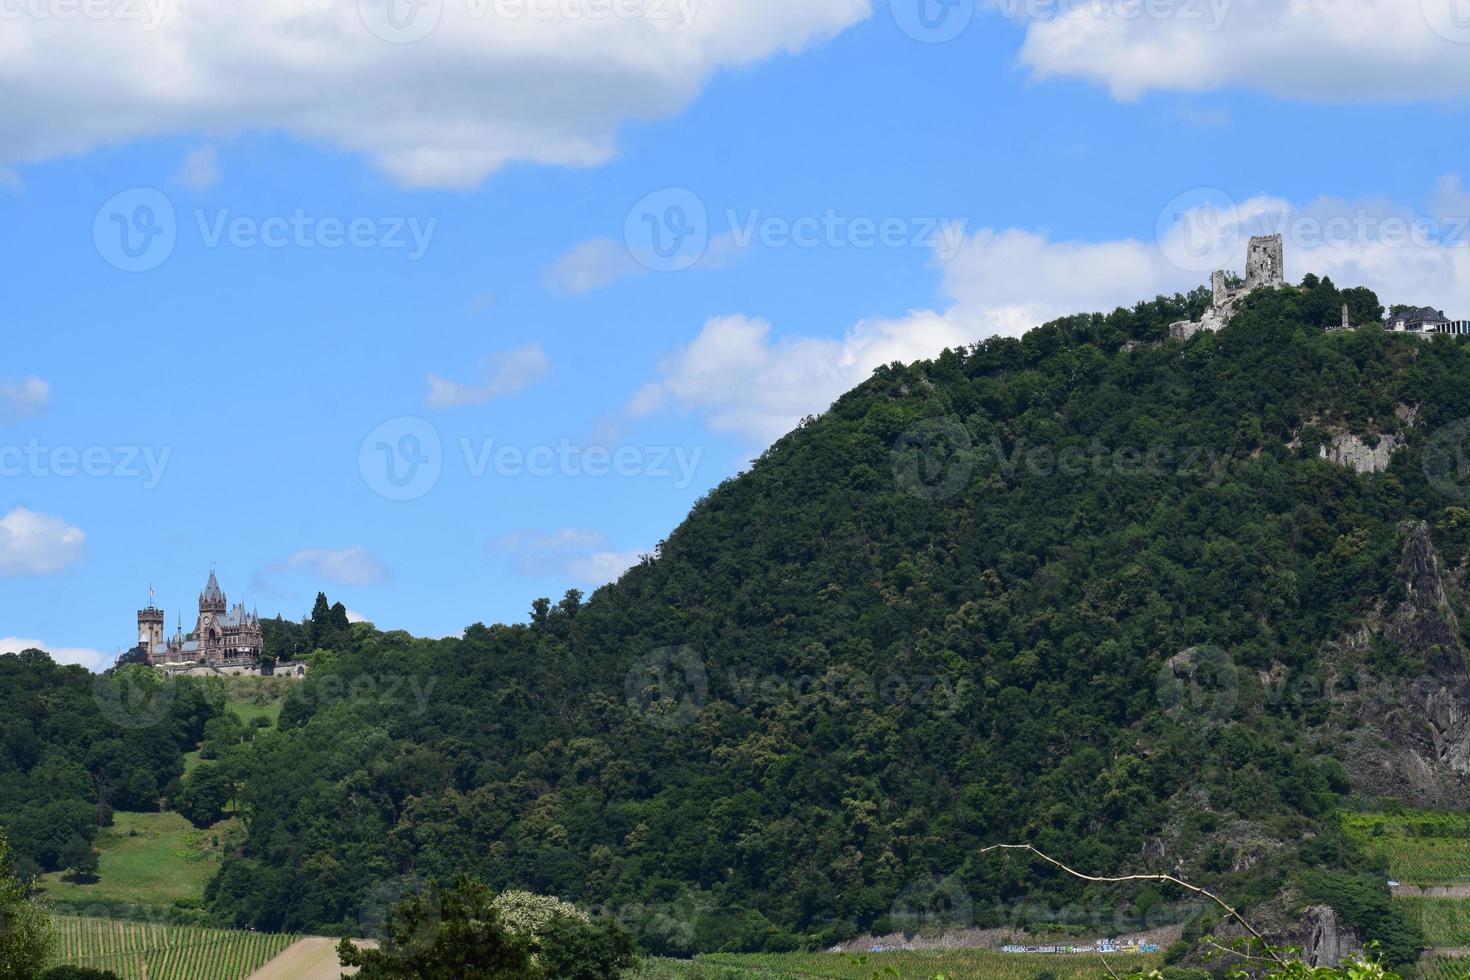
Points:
(1421, 848)
(152, 951)
(953, 964)
(147, 859)
(1445, 921)
(1443, 968)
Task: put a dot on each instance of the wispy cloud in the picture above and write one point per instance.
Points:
(580, 556)
(23, 399)
(504, 374)
(200, 169)
(355, 566)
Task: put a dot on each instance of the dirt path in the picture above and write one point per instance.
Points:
(313, 958)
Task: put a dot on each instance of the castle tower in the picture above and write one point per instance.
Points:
(212, 599)
(1218, 292)
(150, 625)
(1265, 262)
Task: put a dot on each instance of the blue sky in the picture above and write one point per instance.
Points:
(238, 384)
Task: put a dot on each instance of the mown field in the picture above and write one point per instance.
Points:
(153, 951)
(146, 859)
(925, 965)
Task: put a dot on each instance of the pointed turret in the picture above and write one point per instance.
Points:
(212, 599)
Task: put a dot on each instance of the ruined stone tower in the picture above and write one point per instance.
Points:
(1265, 262)
(1265, 267)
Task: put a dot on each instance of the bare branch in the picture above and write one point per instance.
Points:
(1230, 911)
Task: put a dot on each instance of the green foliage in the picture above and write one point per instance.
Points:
(460, 932)
(74, 747)
(833, 685)
(26, 939)
(204, 795)
(78, 973)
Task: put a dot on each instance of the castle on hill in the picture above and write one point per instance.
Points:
(221, 634)
(1265, 267)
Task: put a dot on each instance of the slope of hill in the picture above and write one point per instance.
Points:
(1090, 589)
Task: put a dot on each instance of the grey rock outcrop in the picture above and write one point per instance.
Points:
(1324, 941)
(1354, 453)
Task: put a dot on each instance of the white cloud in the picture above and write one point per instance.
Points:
(353, 616)
(579, 555)
(741, 379)
(23, 399)
(1324, 50)
(749, 384)
(505, 374)
(200, 169)
(590, 266)
(344, 566)
(37, 544)
(599, 262)
(464, 88)
(93, 660)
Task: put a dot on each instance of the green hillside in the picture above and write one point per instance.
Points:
(1090, 589)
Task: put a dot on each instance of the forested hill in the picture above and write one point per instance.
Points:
(1076, 590)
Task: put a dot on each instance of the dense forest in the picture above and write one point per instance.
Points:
(1023, 592)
